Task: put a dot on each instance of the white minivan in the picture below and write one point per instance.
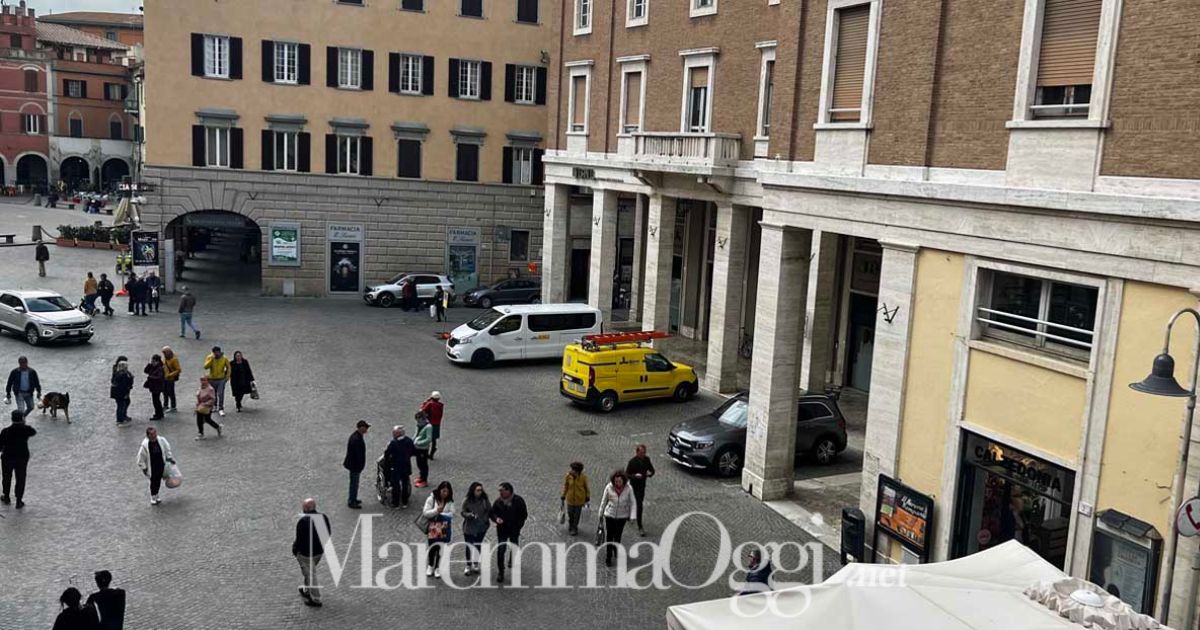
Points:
(533, 331)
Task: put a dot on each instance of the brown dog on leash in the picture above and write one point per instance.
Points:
(55, 401)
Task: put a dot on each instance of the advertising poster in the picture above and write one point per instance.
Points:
(462, 253)
(345, 267)
(285, 245)
(144, 246)
(904, 513)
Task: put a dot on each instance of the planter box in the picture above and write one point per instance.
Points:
(121, 247)
(86, 244)
(64, 242)
(103, 245)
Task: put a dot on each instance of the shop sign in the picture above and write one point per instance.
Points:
(462, 236)
(1018, 466)
(144, 246)
(905, 514)
(345, 232)
(285, 245)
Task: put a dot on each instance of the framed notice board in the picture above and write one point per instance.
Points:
(904, 514)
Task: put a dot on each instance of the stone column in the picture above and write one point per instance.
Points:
(604, 251)
(660, 242)
(556, 244)
(729, 269)
(775, 368)
(820, 311)
(890, 360)
(639, 257)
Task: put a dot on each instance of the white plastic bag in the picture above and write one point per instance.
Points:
(171, 475)
(433, 310)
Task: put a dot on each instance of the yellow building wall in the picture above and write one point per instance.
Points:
(1029, 404)
(1141, 443)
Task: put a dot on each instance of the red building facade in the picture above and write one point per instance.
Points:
(24, 105)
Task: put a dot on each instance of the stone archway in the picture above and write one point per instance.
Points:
(217, 248)
(113, 171)
(32, 171)
(75, 172)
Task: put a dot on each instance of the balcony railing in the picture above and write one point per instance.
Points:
(688, 149)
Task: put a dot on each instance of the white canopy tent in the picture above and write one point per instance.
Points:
(983, 591)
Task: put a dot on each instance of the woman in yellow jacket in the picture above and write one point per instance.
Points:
(575, 495)
(171, 372)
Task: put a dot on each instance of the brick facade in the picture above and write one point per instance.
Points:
(16, 62)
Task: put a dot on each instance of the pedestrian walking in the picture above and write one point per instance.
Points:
(312, 531)
(355, 461)
(108, 602)
(41, 254)
(140, 295)
(23, 384)
(758, 574)
(171, 372)
(187, 307)
(509, 514)
(241, 378)
(106, 289)
(476, 513)
(409, 294)
(437, 516)
(73, 615)
(14, 457)
(153, 457)
(433, 409)
(575, 495)
(154, 287)
(617, 507)
(131, 297)
(119, 388)
(91, 290)
(398, 458)
(439, 304)
(421, 444)
(639, 470)
(206, 398)
(155, 382)
(216, 365)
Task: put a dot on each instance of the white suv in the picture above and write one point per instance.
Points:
(390, 293)
(43, 316)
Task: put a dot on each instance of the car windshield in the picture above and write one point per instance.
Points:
(52, 304)
(733, 414)
(485, 320)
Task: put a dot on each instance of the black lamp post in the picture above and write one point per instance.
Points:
(1161, 382)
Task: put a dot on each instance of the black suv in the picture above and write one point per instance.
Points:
(511, 291)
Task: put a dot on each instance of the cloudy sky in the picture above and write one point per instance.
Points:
(44, 7)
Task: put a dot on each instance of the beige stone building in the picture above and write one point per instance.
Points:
(416, 125)
(979, 214)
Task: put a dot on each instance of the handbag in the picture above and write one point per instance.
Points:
(600, 532)
(562, 514)
(171, 475)
(438, 530)
(203, 410)
(253, 390)
(433, 310)
(422, 523)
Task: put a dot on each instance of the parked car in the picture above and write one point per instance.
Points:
(717, 440)
(601, 375)
(521, 332)
(43, 317)
(510, 291)
(389, 293)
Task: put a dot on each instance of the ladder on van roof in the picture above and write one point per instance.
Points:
(592, 342)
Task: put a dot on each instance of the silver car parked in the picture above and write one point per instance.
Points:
(390, 293)
(43, 317)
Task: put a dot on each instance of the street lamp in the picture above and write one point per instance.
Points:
(1161, 382)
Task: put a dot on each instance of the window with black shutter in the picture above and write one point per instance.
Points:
(412, 5)
(305, 64)
(198, 153)
(485, 80)
(268, 150)
(366, 158)
(471, 8)
(76, 127)
(527, 11)
(539, 171)
(31, 81)
(467, 163)
(331, 149)
(539, 94)
(331, 67)
(235, 57)
(409, 159)
(427, 75)
(303, 152)
(268, 61)
(506, 166)
(236, 159)
(197, 54)
(116, 131)
(452, 92)
(368, 70)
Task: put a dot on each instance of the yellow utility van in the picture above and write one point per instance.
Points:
(603, 370)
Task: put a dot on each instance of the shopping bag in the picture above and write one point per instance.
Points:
(171, 475)
(562, 514)
(253, 390)
(433, 310)
(600, 533)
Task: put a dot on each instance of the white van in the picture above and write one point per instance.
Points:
(533, 331)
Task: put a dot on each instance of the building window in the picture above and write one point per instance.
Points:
(110, 36)
(468, 79)
(409, 159)
(518, 246)
(75, 88)
(583, 17)
(287, 64)
(116, 131)
(697, 100)
(216, 146)
(14, 41)
(1045, 314)
(286, 150)
(216, 56)
(768, 91)
(703, 7)
(412, 5)
(31, 124)
(637, 12)
(578, 104)
(1066, 58)
(527, 11)
(350, 68)
(523, 85)
(114, 92)
(850, 63)
(79, 54)
(410, 74)
(75, 127)
(349, 152)
(470, 8)
(522, 165)
(31, 80)
(467, 162)
(631, 96)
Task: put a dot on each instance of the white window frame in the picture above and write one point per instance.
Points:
(349, 68)
(289, 139)
(216, 146)
(637, 64)
(700, 8)
(216, 56)
(469, 73)
(287, 62)
(829, 64)
(762, 130)
(1102, 75)
(110, 97)
(349, 146)
(584, 10)
(411, 74)
(631, 20)
(693, 59)
(579, 69)
(522, 164)
(72, 93)
(31, 124)
(526, 95)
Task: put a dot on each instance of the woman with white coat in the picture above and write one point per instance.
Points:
(152, 458)
(617, 507)
(437, 514)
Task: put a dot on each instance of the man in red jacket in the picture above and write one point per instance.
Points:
(433, 410)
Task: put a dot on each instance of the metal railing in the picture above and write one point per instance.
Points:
(1039, 331)
(713, 149)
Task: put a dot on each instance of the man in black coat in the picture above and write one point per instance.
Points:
(308, 547)
(356, 461)
(23, 383)
(41, 254)
(106, 289)
(109, 603)
(140, 295)
(509, 514)
(398, 456)
(14, 456)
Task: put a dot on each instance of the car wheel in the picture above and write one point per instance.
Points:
(683, 392)
(387, 300)
(482, 358)
(607, 402)
(825, 451)
(485, 302)
(537, 299)
(728, 462)
(32, 335)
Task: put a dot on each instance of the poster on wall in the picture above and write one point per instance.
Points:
(345, 256)
(144, 246)
(905, 514)
(285, 245)
(462, 257)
